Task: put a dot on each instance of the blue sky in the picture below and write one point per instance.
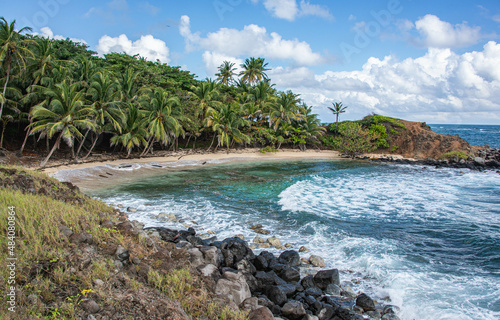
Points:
(433, 61)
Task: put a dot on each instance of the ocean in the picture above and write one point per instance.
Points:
(473, 134)
(424, 239)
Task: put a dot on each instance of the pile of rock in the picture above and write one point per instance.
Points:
(271, 287)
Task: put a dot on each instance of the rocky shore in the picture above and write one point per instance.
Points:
(269, 286)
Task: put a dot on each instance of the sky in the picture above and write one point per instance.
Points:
(431, 61)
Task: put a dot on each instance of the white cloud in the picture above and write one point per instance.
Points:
(441, 34)
(147, 46)
(149, 8)
(46, 32)
(496, 18)
(440, 86)
(214, 60)
(251, 41)
(290, 10)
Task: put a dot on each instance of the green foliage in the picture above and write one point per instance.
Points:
(378, 119)
(268, 149)
(453, 154)
(353, 139)
(379, 133)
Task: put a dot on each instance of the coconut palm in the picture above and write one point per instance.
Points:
(284, 109)
(206, 93)
(134, 130)
(62, 112)
(310, 124)
(337, 109)
(13, 51)
(226, 73)
(262, 94)
(13, 95)
(254, 70)
(163, 112)
(226, 123)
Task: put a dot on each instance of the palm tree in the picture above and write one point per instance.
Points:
(226, 73)
(133, 132)
(254, 70)
(310, 124)
(226, 124)
(162, 113)
(65, 114)
(104, 97)
(337, 109)
(206, 93)
(262, 94)
(11, 104)
(284, 109)
(13, 50)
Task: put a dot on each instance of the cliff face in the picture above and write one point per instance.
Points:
(417, 140)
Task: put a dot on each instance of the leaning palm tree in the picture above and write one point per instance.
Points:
(337, 109)
(62, 112)
(13, 50)
(254, 70)
(133, 132)
(163, 113)
(226, 73)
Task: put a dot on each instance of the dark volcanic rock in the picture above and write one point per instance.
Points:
(365, 302)
(261, 313)
(290, 275)
(277, 295)
(293, 310)
(290, 258)
(307, 282)
(235, 250)
(325, 277)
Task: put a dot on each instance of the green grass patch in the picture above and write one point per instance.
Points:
(453, 154)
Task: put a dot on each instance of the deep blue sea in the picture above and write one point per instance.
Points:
(473, 134)
(427, 239)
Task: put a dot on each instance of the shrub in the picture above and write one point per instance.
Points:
(354, 140)
(452, 154)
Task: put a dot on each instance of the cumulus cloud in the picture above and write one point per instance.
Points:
(253, 40)
(290, 9)
(147, 46)
(440, 86)
(46, 32)
(433, 32)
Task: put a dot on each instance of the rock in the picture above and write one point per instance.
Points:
(234, 286)
(250, 304)
(122, 254)
(90, 306)
(303, 249)
(333, 289)
(307, 282)
(210, 271)
(390, 309)
(212, 255)
(256, 226)
(374, 314)
(137, 224)
(390, 316)
(310, 317)
(325, 277)
(288, 245)
(293, 310)
(317, 261)
(262, 231)
(246, 266)
(304, 261)
(290, 258)
(289, 289)
(261, 313)
(276, 295)
(326, 313)
(348, 292)
(314, 291)
(128, 228)
(290, 275)
(240, 236)
(252, 246)
(234, 250)
(274, 241)
(78, 238)
(98, 282)
(258, 239)
(196, 257)
(264, 245)
(365, 302)
(65, 231)
(480, 161)
(260, 263)
(357, 310)
(211, 232)
(131, 210)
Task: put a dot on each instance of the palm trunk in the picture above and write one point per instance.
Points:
(336, 124)
(146, 149)
(187, 143)
(25, 140)
(3, 131)
(9, 60)
(213, 140)
(81, 143)
(56, 145)
(92, 148)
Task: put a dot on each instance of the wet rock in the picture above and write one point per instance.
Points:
(240, 236)
(314, 291)
(293, 310)
(264, 245)
(290, 258)
(258, 239)
(326, 313)
(65, 231)
(357, 309)
(274, 241)
(304, 261)
(290, 275)
(308, 282)
(333, 289)
(365, 302)
(390, 316)
(390, 309)
(256, 226)
(303, 249)
(288, 245)
(375, 314)
(261, 313)
(234, 286)
(131, 210)
(348, 292)
(90, 306)
(234, 250)
(325, 277)
(317, 261)
(289, 289)
(262, 231)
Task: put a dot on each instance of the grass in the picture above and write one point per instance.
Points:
(453, 154)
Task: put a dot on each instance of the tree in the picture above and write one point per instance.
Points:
(226, 73)
(354, 140)
(133, 133)
(13, 50)
(206, 93)
(65, 114)
(254, 70)
(226, 124)
(337, 109)
(284, 109)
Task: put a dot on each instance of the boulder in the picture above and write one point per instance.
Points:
(333, 289)
(277, 295)
(234, 286)
(293, 310)
(325, 277)
(317, 261)
(290, 275)
(65, 231)
(307, 282)
(290, 258)
(246, 266)
(258, 239)
(260, 262)
(256, 226)
(90, 306)
(212, 255)
(122, 254)
(303, 249)
(314, 291)
(289, 289)
(390, 309)
(210, 271)
(131, 210)
(390, 316)
(234, 250)
(264, 245)
(348, 292)
(274, 241)
(78, 238)
(196, 257)
(250, 304)
(365, 302)
(261, 313)
(262, 231)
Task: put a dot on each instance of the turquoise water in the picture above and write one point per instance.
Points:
(473, 134)
(429, 239)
